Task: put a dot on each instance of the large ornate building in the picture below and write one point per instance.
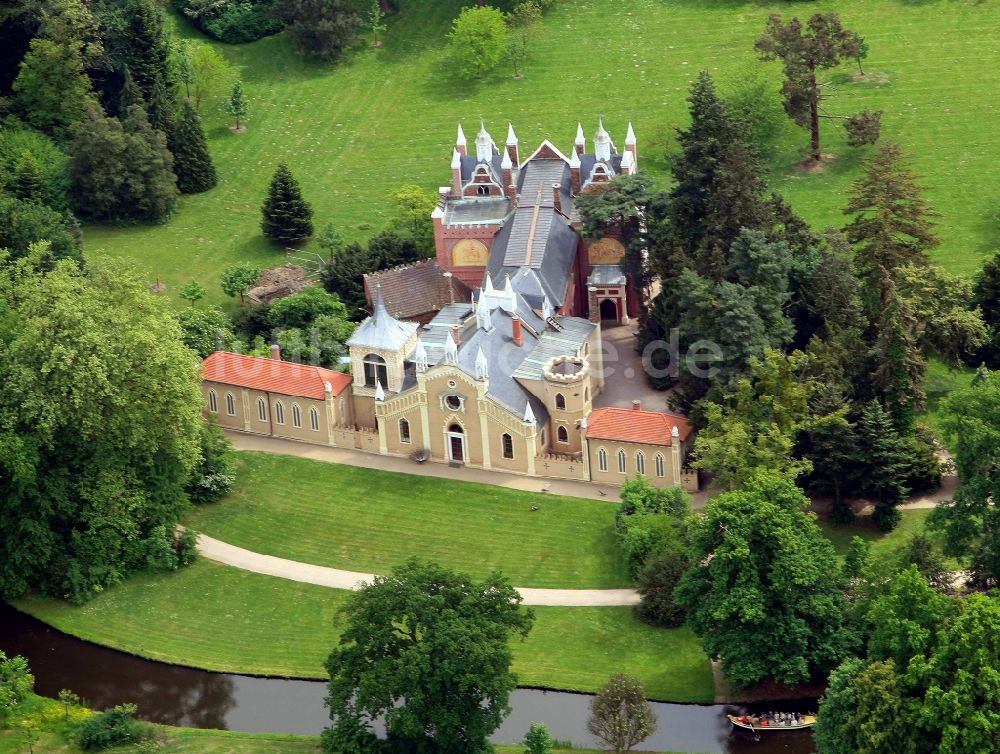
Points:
(505, 380)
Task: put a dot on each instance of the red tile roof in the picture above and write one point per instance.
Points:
(632, 425)
(272, 376)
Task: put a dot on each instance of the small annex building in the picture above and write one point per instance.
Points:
(416, 292)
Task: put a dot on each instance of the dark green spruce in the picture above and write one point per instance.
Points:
(287, 217)
(192, 162)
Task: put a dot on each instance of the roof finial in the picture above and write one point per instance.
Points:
(379, 391)
(630, 136)
(482, 367)
(580, 138)
(450, 350)
(602, 142)
(380, 310)
(511, 138)
(488, 285)
(460, 141)
(484, 144)
(484, 320)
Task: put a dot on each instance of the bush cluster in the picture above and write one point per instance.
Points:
(234, 22)
(113, 727)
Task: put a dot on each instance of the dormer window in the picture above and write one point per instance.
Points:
(483, 190)
(375, 371)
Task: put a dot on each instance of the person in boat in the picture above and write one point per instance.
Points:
(745, 719)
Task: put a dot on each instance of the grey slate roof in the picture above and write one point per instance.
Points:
(476, 211)
(552, 343)
(382, 330)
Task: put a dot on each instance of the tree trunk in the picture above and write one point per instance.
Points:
(814, 119)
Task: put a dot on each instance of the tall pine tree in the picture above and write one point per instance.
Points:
(192, 162)
(145, 51)
(287, 217)
(27, 182)
(885, 454)
(892, 221)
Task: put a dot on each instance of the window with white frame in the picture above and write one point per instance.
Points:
(404, 431)
(375, 371)
(314, 419)
(213, 402)
(230, 404)
(659, 465)
(279, 412)
(621, 461)
(602, 459)
(296, 416)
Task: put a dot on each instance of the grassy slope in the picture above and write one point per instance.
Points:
(367, 520)
(883, 544)
(223, 619)
(353, 132)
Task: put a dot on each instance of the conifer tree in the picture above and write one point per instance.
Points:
(892, 221)
(27, 182)
(146, 53)
(287, 217)
(885, 454)
(718, 187)
(192, 162)
(51, 89)
(237, 106)
(130, 94)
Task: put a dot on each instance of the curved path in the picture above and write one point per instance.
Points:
(293, 570)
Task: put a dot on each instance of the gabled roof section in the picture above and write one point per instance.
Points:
(382, 331)
(547, 151)
(637, 426)
(415, 289)
(272, 375)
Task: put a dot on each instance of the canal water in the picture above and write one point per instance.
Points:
(174, 695)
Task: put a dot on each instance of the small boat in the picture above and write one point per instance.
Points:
(767, 723)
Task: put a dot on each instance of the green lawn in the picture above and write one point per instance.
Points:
(369, 520)
(221, 618)
(353, 132)
(882, 544)
(942, 380)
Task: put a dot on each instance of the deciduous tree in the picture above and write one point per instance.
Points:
(86, 495)
(206, 330)
(430, 650)
(25, 223)
(239, 278)
(237, 106)
(477, 40)
(192, 292)
(620, 716)
(766, 595)
(51, 91)
(211, 75)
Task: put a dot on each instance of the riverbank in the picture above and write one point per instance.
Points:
(223, 619)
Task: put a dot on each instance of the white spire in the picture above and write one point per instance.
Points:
(630, 136)
(484, 321)
(381, 313)
(451, 350)
(547, 310)
(580, 138)
(602, 143)
(484, 144)
(379, 392)
(507, 287)
(456, 159)
(420, 356)
(574, 160)
(529, 415)
(511, 138)
(482, 368)
(460, 141)
(506, 163)
(627, 160)
(488, 285)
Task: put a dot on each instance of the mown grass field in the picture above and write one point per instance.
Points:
(220, 618)
(370, 521)
(353, 132)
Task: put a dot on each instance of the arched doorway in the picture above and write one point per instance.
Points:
(456, 443)
(609, 309)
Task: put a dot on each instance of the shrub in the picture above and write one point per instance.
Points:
(642, 537)
(112, 727)
(657, 580)
(215, 472)
(16, 682)
(232, 21)
(53, 163)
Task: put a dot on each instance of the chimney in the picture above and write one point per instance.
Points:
(276, 352)
(637, 405)
(456, 334)
(557, 197)
(517, 335)
(508, 168)
(456, 173)
(574, 170)
(451, 288)
(512, 195)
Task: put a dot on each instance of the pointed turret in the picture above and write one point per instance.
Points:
(482, 367)
(602, 143)
(420, 356)
(484, 320)
(580, 145)
(379, 391)
(630, 146)
(630, 136)
(450, 350)
(512, 149)
(529, 415)
(484, 144)
(461, 145)
(488, 285)
(382, 331)
(506, 163)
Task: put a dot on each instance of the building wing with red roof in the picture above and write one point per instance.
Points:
(273, 375)
(636, 426)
